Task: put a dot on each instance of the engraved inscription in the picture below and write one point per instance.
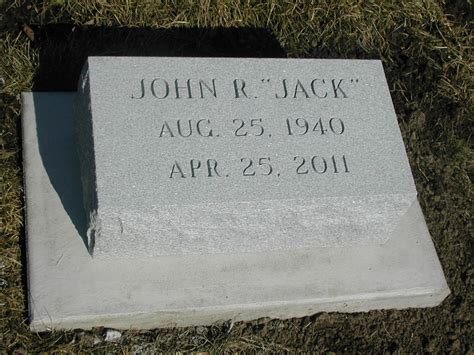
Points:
(160, 88)
(186, 128)
(195, 168)
(318, 128)
(302, 126)
(208, 88)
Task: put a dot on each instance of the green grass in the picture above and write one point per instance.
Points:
(426, 48)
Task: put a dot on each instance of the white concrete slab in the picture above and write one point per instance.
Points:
(69, 289)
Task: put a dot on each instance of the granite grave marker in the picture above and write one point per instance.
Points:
(208, 155)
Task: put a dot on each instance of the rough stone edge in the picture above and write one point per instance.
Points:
(115, 245)
(84, 135)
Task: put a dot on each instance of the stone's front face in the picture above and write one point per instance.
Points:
(207, 155)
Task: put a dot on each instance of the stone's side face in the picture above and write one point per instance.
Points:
(84, 135)
(208, 155)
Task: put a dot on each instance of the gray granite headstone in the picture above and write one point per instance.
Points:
(209, 155)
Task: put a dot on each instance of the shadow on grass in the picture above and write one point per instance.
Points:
(63, 50)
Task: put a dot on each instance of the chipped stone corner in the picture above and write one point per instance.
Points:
(84, 79)
(93, 231)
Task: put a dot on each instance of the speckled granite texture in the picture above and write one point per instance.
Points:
(208, 155)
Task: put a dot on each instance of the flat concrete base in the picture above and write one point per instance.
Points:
(69, 289)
